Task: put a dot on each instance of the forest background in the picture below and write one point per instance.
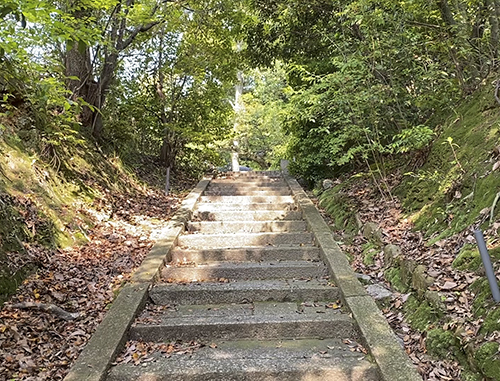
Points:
(94, 93)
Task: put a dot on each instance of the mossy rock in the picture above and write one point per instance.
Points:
(491, 321)
(441, 343)
(483, 297)
(340, 208)
(487, 360)
(420, 313)
(468, 258)
(393, 276)
(370, 251)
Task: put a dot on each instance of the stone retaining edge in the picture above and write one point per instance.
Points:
(384, 347)
(111, 334)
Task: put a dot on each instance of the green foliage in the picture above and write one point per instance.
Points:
(488, 360)
(258, 127)
(367, 75)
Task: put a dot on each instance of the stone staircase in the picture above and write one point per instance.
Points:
(247, 280)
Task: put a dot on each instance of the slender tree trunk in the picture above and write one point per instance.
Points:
(78, 64)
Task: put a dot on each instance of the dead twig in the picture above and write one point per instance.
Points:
(52, 308)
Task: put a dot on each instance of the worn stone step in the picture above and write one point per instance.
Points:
(249, 183)
(251, 174)
(251, 360)
(257, 321)
(245, 271)
(242, 184)
(244, 239)
(243, 292)
(246, 215)
(238, 186)
(221, 227)
(246, 199)
(281, 207)
(247, 254)
(247, 192)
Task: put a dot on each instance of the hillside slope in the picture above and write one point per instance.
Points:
(425, 249)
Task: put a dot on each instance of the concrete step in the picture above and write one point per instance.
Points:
(245, 215)
(243, 239)
(257, 321)
(244, 271)
(219, 206)
(214, 186)
(238, 186)
(249, 183)
(243, 292)
(251, 174)
(221, 227)
(247, 254)
(257, 192)
(247, 199)
(245, 360)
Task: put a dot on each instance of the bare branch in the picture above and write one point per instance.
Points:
(52, 308)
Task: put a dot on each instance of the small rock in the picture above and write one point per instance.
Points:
(372, 232)
(379, 292)
(391, 254)
(363, 278)
(327, 184)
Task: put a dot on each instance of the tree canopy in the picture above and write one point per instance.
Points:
(330, 85)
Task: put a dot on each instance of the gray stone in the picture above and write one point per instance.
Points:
(392, 361)
(372, 232)
(379, 293)
(243, 291)
(327, 184)
(434, 299)
(244, 239)
(247, 254)
(252, 215)
(245, 271)
(249, 360)
(221, 227)
(363, 278)
(330, 324)
(407, 268)
(392, 253)
(246, 199)
(420, 281)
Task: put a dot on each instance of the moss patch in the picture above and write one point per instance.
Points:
(445, 196)
(393, 275)
(340, 208)
(420, 313)
(441, 343)
(487, 358)
(370, 251)
(491, 321)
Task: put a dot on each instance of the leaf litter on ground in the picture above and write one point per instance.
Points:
(39, 345)
(451, 284)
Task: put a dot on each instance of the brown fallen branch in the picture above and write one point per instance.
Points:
(52, 308)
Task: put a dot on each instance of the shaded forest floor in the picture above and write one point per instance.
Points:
(84, 279)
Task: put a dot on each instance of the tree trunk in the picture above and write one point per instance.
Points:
(78, 64)
(446, 13)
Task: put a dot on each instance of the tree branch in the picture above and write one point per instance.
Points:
(52, 308)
